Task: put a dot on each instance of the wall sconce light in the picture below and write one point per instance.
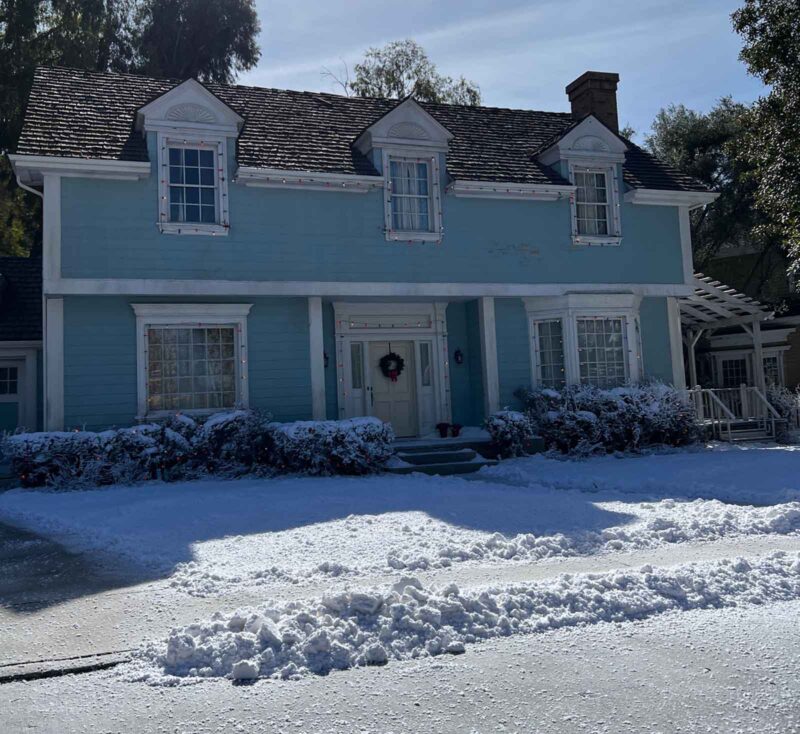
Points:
(458, 356)
(325, 359)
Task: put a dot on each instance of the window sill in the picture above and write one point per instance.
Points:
(188, 228)
(394, 236)
(589, 240)
(196, 412)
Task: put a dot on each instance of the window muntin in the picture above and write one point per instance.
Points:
(9, 381)
(193, 185)
(411, 201)
(592, 208)
(191, 367)
(602, 351)
(772, 370)
(550, 366)
(734, 372)
(357, 365)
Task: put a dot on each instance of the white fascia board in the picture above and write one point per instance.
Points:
(192, 310)
(32, 168)
(247, 288)
(189, 92)
(575, 144)
(309, 180)
(658, 197)
(502, 190)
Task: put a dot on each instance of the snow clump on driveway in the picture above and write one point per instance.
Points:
(373, 627)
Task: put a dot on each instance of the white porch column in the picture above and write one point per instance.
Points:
(54, 364)
(676, 344)
(691, 342)
(491, 380)
(758, 358)
(316, 355)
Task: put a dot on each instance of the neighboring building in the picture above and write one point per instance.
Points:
(726, 357)
(213, 246)
(20, 343)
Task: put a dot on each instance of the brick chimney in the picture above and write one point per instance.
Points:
(595, 93)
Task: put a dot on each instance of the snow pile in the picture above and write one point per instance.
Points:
(357, 628)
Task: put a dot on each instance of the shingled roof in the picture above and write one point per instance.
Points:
(81, 114)
(20, 298)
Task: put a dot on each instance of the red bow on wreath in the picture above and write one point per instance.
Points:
(392, 366)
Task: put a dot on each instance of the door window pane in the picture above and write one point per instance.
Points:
(357, 365)
(8, 381)
(602, 353)
(549, 337)
(772, 371)
(191, 368)
(734, 372)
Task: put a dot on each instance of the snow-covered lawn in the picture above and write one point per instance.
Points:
(212, 537)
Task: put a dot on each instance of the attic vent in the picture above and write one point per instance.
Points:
(408, 130)
(591, 143)
(189, 112)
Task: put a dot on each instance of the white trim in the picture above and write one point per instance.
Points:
(590, 140)
(658, 197)
(429, 134)
(54, 364)
(21, 344)
(687, 258)
(489, 368)
(435, 196)
(194, 314)
(33, 168)
(201, 287)
(676, 343)
(51, 228)
(771, 337)
(276, 178)
(316, 355)
(571, 307)
(433, 330)
(219, 146)
(501, 190)
(28, 398)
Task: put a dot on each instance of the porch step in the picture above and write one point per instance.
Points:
(437, 456)
(444, 469)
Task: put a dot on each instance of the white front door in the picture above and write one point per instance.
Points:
(12, 381)
(394, 401)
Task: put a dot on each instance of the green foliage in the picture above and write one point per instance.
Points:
(771, 33)
(709, 148)
(402, 68)
(170, 38)
(212, 41)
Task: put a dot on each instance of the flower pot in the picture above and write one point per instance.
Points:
(455, 430)
(442, 428)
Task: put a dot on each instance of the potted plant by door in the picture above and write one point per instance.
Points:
(455, 430)
(442, 428)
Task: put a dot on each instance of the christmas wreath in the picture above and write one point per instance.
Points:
(392, 365)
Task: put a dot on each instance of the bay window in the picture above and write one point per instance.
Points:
(549, 356)
(602, 352)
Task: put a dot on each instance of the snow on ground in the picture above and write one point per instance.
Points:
(372, 627)
(211, 537)
(751, 474)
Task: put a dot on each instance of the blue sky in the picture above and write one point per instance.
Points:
(522, 54)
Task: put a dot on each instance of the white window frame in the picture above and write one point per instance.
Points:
(216, 143)
(748, 355)
(569, 309)
(613, 238)
(434, 187)
(536, 360)
(186, 315)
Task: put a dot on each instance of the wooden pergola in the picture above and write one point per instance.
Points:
(713, 306)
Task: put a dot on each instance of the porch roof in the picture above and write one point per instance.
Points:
(714, 305)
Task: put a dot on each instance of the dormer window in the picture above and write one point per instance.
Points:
(410, 195)
(193, 185)
(592, 202)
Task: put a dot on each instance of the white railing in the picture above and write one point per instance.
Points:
(722, 408)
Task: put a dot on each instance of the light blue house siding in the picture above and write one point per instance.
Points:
(109, 231)
(656, 354)
(100, 359)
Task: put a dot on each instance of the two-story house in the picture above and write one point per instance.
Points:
(319, 256)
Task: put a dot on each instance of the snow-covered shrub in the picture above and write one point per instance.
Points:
(511, 432)
(355, 446)
(785, 401)
(233, 443)
(583, 420)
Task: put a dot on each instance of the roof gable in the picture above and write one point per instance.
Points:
(189, 105)
(589, 138)
(405, 124)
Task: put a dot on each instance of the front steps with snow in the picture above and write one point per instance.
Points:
(441, 456)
